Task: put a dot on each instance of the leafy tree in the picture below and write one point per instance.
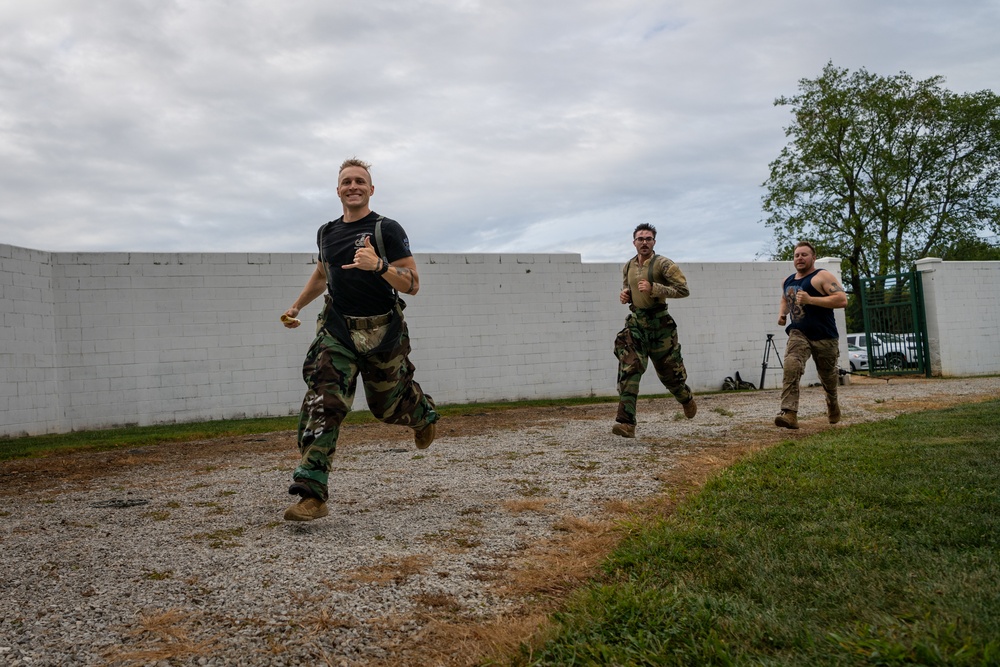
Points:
(970, 250)
(882, 170)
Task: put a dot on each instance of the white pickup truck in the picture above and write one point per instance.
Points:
(890, 351)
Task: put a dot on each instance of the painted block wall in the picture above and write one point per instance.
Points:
(962, 300)
(29, 396)
(94, 340)
(144, 338)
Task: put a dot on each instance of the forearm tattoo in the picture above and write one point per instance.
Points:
(407, 273)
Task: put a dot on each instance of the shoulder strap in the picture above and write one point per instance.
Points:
(379, 245)
(322, 259)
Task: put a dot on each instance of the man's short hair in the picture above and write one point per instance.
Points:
(805, 244)
(355, 162)
(645, 226)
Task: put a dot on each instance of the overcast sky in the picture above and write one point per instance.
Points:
(493, 126)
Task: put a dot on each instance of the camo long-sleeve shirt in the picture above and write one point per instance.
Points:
(667, 279)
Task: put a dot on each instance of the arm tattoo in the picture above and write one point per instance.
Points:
(406, 272)
(834, 288)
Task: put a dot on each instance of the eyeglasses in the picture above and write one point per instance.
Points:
(644, 239)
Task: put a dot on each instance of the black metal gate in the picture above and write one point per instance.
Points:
(895, 324)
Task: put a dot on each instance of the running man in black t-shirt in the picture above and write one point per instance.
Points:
(365, 260)
(809, 296)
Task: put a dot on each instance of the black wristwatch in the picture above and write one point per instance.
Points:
(385, 266)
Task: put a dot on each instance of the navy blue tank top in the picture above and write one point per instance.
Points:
(816, 322)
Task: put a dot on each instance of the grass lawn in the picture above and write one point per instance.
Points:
(875, 544)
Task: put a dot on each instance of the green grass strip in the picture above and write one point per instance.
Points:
(140, 436)
(877, 544)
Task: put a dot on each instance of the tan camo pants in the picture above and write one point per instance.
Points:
(797, 352)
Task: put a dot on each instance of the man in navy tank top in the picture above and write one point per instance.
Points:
(808, 299)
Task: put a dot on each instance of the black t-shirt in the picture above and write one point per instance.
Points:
(355, 291)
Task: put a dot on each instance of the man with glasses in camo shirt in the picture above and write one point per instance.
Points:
(650, 333)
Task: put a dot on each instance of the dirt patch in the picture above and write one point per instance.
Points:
(80, 470)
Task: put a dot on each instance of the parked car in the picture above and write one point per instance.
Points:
(898, 348)
(861, 340)
(858, 358)
(889, 350)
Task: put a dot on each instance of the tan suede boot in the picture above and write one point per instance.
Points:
(833, 411)
(624, 430)
(423, 437)
(787, 419)
(307, 509)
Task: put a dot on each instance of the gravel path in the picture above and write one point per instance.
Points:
(155, 561)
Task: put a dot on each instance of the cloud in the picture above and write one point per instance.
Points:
(492, 127)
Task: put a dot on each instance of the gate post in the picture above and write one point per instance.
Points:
(926, 268)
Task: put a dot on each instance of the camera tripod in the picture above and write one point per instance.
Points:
(768, 346)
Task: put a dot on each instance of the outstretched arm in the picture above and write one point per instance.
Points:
(401, 274)
(835, 297)
(674, 285)
(315, 286)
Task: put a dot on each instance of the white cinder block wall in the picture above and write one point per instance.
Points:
(29, 388)
(145, 338)
(95, 340)
(962, 300)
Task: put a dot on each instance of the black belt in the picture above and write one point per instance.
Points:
(649, 311)
(372, 322)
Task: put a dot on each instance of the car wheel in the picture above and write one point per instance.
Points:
(853, 369)
(895, 362)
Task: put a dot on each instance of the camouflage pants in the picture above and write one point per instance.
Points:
(826, 353)
(648, 337)
(331, 372)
